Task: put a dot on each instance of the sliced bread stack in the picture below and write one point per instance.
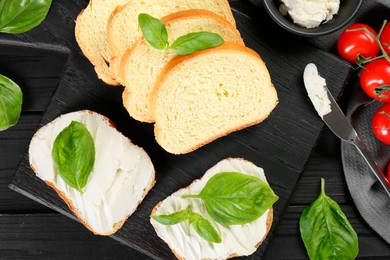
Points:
(192, 99)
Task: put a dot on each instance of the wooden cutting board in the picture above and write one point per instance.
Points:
(281, 144)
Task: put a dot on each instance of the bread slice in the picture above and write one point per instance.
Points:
(90, 32)
(123, 29)
(200, 97)
(141, 65)
(237, 240)
(121, 177)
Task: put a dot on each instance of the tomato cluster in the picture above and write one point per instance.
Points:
(360, 44)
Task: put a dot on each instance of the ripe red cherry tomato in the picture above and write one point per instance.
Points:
(375, 80)
(385, 38)
(381, 123)
(350, 45)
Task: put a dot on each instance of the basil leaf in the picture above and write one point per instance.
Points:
(11, 99)
(233, 198)
(74, 154)
(204, 228)
(173, 218)
(201, 225)
(154, 31)
(19, 16)
(196, 41)
(326, 231)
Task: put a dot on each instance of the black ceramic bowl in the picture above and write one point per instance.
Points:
(347, 10)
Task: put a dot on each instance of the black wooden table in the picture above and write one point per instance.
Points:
(29, 230)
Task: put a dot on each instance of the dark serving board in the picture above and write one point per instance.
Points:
(281, 144)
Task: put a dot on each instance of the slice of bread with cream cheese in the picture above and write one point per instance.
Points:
(237, 240)
(121, 177)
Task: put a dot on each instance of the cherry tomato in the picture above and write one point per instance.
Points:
(380, 123)
(352, 44)
(375, 79)
(385, 38)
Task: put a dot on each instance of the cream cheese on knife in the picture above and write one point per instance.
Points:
(315, 87)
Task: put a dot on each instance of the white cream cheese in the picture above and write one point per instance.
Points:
(315, 87)
(310, 13)
(121, 177)
(236, 239)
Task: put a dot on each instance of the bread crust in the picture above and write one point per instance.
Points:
(69, 203)
(269, 220)
(228, 46)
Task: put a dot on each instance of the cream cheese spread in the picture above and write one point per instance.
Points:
(316, 89)
(236, 239)
(122, 174)
(310, 13)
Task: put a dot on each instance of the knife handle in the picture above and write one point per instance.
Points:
(376, 169)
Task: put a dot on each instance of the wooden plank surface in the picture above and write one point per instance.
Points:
(29, 230)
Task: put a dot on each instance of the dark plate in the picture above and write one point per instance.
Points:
(281, 144)
(368, 195)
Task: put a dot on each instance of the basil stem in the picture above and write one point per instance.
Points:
(326, 231)
(202, 226)
(11, 99)
(19, 16)
(233, 198)
(74, 154)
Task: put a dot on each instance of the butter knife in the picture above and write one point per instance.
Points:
(328, 109)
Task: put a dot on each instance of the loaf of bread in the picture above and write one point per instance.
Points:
(237, 240)
(141, 65)
(123, 29)
(90, 32)
(200, 97)
(121, 177)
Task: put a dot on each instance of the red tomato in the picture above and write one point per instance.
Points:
(381, 123)
(351, 45)
(375, 80)
(385, 38)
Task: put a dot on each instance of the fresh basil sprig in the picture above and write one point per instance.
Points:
(19, 16)
(326, 231)
(11, 99)
(156, 34)
(233, 198)
(201, 225)
(74, 154)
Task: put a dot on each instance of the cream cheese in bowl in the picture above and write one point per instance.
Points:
(310, 13)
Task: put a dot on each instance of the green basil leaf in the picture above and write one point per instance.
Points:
(233, 198)
(19, 16)
(326, 231)
(74, 154)
(11, 99)
(154, 31)
(173, 218)
(204, 228)
(201, 225)
(196, 41)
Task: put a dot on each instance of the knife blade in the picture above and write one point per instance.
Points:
(330, 112)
